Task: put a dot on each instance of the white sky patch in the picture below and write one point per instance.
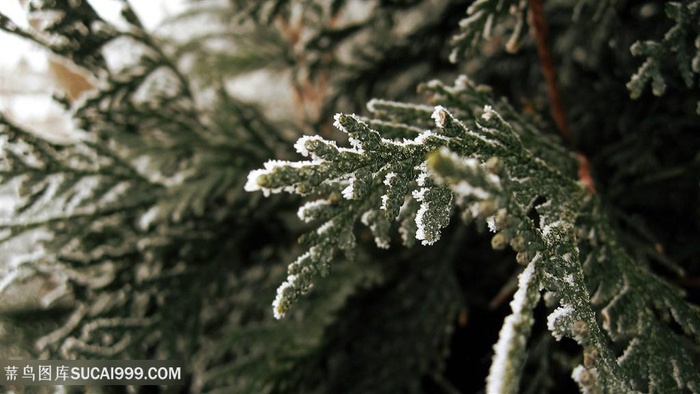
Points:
(151, 12)
(15, 48)
(23, 63)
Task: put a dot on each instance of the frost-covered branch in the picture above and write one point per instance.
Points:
(487, 168)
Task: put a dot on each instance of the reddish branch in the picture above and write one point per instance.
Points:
(584, 173)
(539, 30)
(538, 25)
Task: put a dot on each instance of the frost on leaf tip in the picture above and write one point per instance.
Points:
(560, 321)
(488, 113)
(300, 145)
(253, 183)
(509, 351)
(312, 210)
(433, 214)
(281, 303)
(349, 192)
(440, 116)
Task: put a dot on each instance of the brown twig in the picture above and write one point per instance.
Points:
(539, 30)
(538, 26)
(584, 172)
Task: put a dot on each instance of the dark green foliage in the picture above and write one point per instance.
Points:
(483, 17)
(147, 245)
(677, 44)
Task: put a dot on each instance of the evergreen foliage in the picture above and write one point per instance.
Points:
(675, 44)
(410, 216)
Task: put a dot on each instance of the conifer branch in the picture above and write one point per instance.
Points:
(674, 45)
(501, 193)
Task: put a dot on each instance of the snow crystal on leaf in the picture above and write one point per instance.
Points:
(488, 113)
(419, 194)
(337, 123)
(553, 321)
(279, 307)
(324, 227)
(252, 183)
(420, 217)
(440, 116)
(491, 223)
(388, 177)
(584, 376)
(347, 193)
(300, 145)
(364, 219)
(307, 212)
(518, 302)
(385, 199)
(423, 137)
(422, 177)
